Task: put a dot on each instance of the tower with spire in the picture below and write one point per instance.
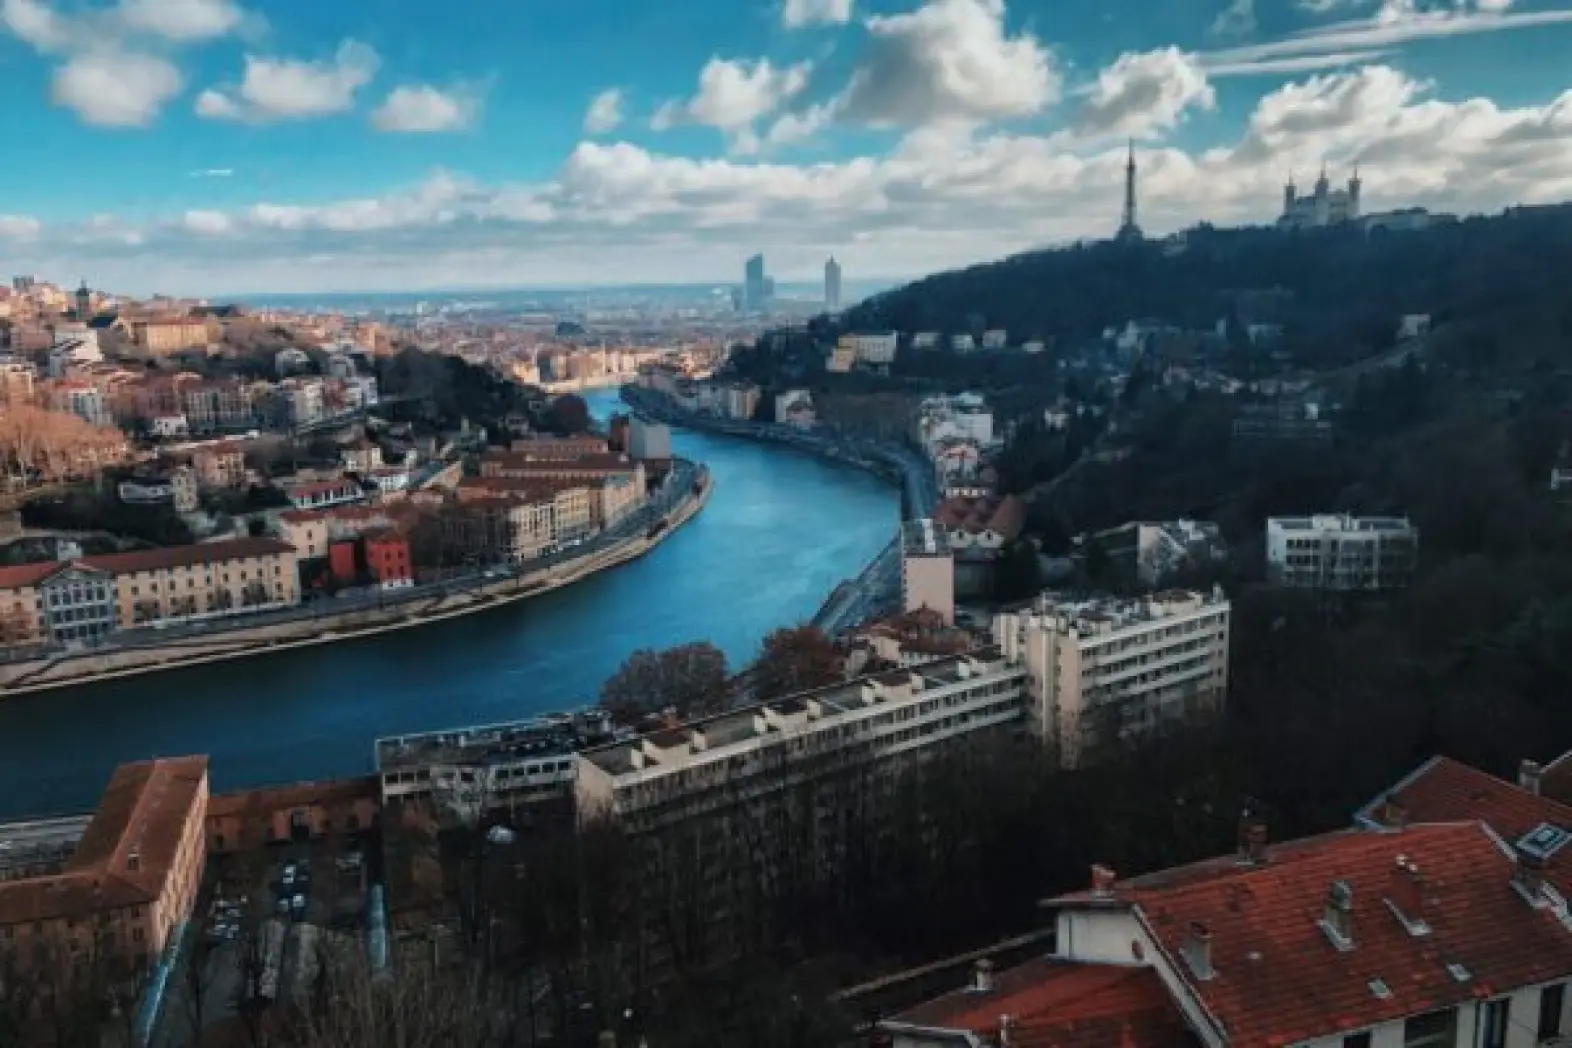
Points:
(1324, 206)
(1128, 227)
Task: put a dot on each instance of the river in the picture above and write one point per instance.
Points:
(781, 530)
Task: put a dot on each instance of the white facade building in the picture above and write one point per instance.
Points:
(1341, 553)
(1104, 669)
(648, 440)
(995, 339)
(873, 349)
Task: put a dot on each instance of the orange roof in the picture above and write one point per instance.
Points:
(128, 850)
(1060, 1004)
(23, 576)
(269, 799)
(1277, 978)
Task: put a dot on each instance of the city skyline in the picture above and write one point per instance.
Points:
(240, 139)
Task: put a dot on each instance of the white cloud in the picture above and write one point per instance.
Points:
(35, 24)
(792, 128)
(733, 95)
(1293, 64)
(182, 20)
(798, 13)
(115, 89)
(1237, 19)
(423, 108)
(1397, 22)
(944, 196)
(274, 89)
(950, 60)
(605, 112)
(19, 226)
(213, 172)
(1145, 93)
(207, 223)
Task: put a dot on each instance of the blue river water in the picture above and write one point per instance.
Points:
(781, 530)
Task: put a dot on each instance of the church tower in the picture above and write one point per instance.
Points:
(1354, 186)
(84, 302)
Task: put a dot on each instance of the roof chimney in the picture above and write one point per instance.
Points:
(982, 976)
(1103, 880)
(1252, 839)
(1198, 950)
(1338, 919)
(1405, 897)
(1529, 774)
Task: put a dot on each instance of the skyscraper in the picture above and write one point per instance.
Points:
(755, 286)
(832, 285)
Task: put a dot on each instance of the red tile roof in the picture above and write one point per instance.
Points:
(186, 556)
(143, 812)
(1278, 979)
(1003, 515)
(1059, 1004)
(24, 575)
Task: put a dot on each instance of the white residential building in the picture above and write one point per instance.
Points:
(648, 440)
(873, 349)
(1341, 553)
(1105, 668)
(995, 339)
(965, 416)
(925, 340)
(962, 343)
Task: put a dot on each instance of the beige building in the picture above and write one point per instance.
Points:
(220, 465)
(169, 335)
(927, 569)
(17, 378)
(306, 531)
(131, 879)
(1104, 669)
(211, 580)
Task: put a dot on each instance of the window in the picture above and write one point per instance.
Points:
(1551, 1001)
(1431, 1030)
(1357, 1040)
(1496, 1017)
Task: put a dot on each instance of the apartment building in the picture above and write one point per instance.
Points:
(320, 494)
(769, 752)
(55, 604)
(158, 336)
(565, 509)
(559, 449)
(1154, 551)
(211, 407)
(17, 379)
(1439, 921)
(210, 580)
(1104, 669)
(497, 529)
(927, 569)
(470, 770)
(220, 465)
(516, 465)
(130, 881)
(1341, 553)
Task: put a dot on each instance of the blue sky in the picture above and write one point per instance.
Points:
(211, 146)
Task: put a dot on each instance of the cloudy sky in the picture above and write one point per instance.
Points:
(213, 146)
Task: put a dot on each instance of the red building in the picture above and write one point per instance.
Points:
(388, 560)
(343, 563)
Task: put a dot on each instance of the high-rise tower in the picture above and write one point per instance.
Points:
(755, 285)
(832, 286)
(1128, 229)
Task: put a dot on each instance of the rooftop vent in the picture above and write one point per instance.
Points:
(1529, 774)
(1198, 950)
(1337, 921)
(1380, 989)
(982, 977)
(1458, 972)
(1103, 880)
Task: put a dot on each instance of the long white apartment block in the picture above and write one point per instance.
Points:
(1106, 668)
(1341, 553)
(747, 755)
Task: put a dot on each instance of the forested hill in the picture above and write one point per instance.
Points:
(1341, 281)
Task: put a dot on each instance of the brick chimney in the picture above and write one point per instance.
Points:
(1103, 881)
(1406, 896)
(1529, 775)
(1198, 950)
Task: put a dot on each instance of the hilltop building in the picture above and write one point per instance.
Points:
(1341, 553)
(1324, 207)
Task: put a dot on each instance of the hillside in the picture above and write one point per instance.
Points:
(1331, 284)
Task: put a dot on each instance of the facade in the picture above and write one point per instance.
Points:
(76, 605)
(211, 580)
(219, 466)
(927, 570)
(169, 335)
(388, 560)
(1155, 551)
(361, 457)
(560, 449)
(132, 878)
(1289, 420)
(321, 494)
(473, 769)
(1105, 669)
(753, 754)
(85, 401)
(515, 465)
(832, 286)
(648, 440)
(17, 378)
(1324, 207)
(874, 349)
(1341, 553)
(306, 532)
(301, 811)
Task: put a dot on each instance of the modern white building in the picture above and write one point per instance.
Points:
(1104, 669)
(648, 440)
(1341, 553)
(927, 569)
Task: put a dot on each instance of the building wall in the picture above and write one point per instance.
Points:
(77, 605)
(929, 582)
(21, 613)
(1340, 553)
(388, 560)
(218, 589)
(309, 537)
(179, 895)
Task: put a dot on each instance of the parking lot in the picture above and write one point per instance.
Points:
(265, 918)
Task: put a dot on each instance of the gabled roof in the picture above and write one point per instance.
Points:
(1277, 978)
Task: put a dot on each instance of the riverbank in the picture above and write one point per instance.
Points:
(854, 600)
(38, 675)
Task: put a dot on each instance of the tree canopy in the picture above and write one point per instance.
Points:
(691, 679)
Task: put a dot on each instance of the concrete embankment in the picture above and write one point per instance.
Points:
(19, 678)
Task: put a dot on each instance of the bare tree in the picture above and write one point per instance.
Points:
(793, 660)
(690, 678)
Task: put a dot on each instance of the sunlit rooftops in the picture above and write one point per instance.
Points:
(550, 735)
(1339, 522)
(726, 733)
(1104, 614)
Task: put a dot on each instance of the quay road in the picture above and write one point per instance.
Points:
(677, 484)
(779, 531)
(875, 591)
